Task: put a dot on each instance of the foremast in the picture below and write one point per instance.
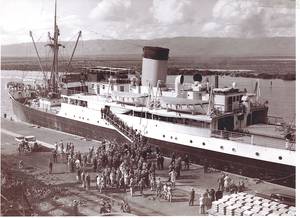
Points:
(53, 83)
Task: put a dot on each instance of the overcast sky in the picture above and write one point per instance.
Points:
(146, 19)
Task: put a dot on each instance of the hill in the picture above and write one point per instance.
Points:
(179, 46)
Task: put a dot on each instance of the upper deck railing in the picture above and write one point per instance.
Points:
(255, 139)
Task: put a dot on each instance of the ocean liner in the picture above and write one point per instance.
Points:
(224, 128)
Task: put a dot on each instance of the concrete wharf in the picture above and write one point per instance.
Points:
(140, 205)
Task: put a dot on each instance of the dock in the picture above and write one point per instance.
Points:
(37, 163)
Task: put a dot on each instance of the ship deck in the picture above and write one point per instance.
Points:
(264, 135)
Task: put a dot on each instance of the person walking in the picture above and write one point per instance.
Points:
(201, 205)
(158, 187)
(192, 197)
(227, 182)
(207, 202)
(211, 195)
(173, 177)
(54, 154)
(131, 186)
(94, 164)
(50, 166)
(169, 193)
(141, 186)
(173, 158)
(219, 194)
(98, 181)
(221, 182)
(88, 181)
(83, 179)
(186, 162)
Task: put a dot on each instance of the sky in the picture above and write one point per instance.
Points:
(146, 19)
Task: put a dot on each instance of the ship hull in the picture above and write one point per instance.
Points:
(34, 116)
(276, 173)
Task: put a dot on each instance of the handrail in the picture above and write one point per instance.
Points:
(121, 126)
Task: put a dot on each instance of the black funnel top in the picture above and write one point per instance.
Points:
(156, 53)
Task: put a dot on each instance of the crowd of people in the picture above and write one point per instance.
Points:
(132, 167)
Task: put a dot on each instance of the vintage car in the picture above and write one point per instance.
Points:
(27, 143)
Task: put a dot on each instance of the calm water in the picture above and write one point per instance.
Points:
(281, 95)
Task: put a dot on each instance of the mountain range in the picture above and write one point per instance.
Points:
(179, 46)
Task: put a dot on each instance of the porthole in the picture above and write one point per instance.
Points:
(171, 137)
(98, 121)
(164, 136)
(233, 149)
(191, 141)
(203, 143)
(221, 147)
(175, 138)
(256, 153)
(280, 158)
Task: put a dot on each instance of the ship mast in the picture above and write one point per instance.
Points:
(55, 47)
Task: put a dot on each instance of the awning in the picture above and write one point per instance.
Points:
(128, 95)
(181, 101)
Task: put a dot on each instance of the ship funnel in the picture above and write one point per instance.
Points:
(155, 65)
(178, 82)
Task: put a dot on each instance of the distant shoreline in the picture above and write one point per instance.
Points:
(234, 73)
(250, 67)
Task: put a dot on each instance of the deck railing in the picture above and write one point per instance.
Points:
(254, 139)
(228, 134)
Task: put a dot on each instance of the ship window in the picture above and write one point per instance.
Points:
(103, 86)
(97, 121)
(74, 115)
(164, 136)
(121, 88)
(233, 149)
(191, 141)
(280, 158)
(171, 137)
(93, 85)
(256, 153)
(221, 147)
(175, 138)
(203, 143)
